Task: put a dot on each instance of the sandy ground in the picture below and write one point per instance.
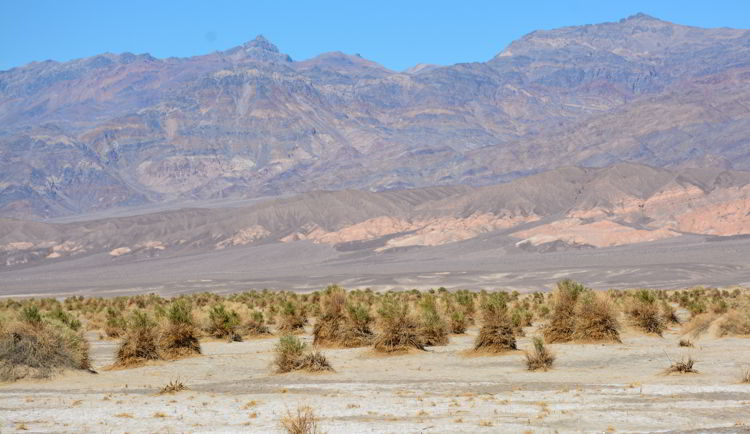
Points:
(593, 388)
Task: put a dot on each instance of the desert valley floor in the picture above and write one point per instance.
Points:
(231, 387)
(490, 261)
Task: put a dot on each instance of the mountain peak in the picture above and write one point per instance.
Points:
(640, 16)
(260, 42)
(260, 49)
(340, 61)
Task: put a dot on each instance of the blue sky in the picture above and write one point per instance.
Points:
(397, 34)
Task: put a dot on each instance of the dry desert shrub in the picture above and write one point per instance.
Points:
(595, 319)
(399, 331)
(562, 324)
(314, 361)
(745, 377)
(35, 348)
(179, 337)
(342, 324)
(303, 421)
(682, 367)
(582, 315)
(291, 356)
(357, 330)
(327, 329)
(140, 342)
(539, 357)
(644, 313)
(735, 323)
(497, 333)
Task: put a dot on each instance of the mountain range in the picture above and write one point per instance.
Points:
(125, 130)
(616, 153)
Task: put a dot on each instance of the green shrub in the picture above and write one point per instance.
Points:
(224, 323)
(30, 315)
(179, 338)
(433, 328)
(291, 356)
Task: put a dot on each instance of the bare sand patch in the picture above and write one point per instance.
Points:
(591, 388)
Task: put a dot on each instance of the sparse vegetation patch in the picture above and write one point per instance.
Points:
(539, 357)
(291, 355)
(685, 366)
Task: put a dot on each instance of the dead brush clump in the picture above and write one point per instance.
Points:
(595, 319)
(35, 348)
(179, 338)
(644, 313)
(303, 421)
(682, 367)
(291, 356)
(399, 331)
(173, 386)
(540, 357)
(140, 343)
(432, 328)
(497, 332)
(314, 361)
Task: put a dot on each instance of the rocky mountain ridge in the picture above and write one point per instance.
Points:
(123, 130)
